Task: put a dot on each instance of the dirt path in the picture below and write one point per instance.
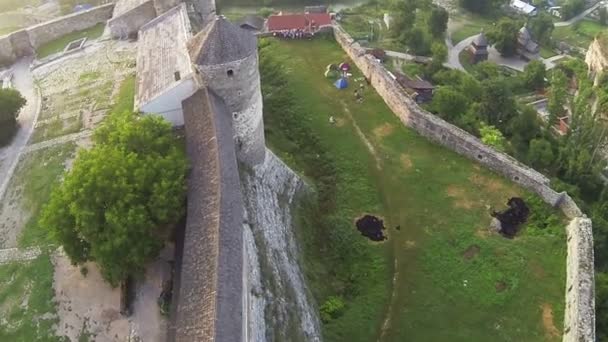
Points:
(367, 143)
(550, 329)
(24, 82)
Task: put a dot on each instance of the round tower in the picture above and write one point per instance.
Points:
(226, 56)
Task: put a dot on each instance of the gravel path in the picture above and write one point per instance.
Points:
(24, 82)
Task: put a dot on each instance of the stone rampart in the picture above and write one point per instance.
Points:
(23, 43)
(50, 30)
(579, 324)
(127, 24)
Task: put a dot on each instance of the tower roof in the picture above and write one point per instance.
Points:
(480, 40)
(221, 42)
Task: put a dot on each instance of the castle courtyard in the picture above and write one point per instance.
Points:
(443, 274)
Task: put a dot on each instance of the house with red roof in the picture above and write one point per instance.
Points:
(307, 22)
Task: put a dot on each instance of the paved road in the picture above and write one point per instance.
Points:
(454, 50)
(578, 17)
(9, 155)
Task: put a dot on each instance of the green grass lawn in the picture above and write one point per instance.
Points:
(27, 309)
(469, 25)
(442, 276)
(59, 44)
(580, 37)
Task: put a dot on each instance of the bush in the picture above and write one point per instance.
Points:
(331, 309)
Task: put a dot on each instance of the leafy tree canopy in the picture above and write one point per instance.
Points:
(491, 136)
(11, 103)
(534, 75)
(118, 201)
(504, 36)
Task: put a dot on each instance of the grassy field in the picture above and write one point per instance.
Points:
(37, 173)
(59, 44)
(579, 35)
(26, 294)
(442, 275)
(468, 25)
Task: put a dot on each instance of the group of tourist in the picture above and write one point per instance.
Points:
(293, 34)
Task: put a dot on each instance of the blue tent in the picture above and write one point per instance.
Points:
(341, 83)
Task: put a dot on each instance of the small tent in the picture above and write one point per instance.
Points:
(341, 83)
(344, 66)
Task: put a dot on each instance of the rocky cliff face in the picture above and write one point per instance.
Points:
(597, 57)
(279, 305)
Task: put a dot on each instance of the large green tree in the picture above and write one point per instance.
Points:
(117, 204)
(504, 36)
(450, 103)
(497, 104)
(534, 75)
(558, 95)
(438, 21)
(540, 154)
(11, 102)
(541, 27)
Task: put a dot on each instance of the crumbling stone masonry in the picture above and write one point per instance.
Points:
(579, 321)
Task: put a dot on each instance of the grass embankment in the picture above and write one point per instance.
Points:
(580, 34)
(454, 280)
(59, 44)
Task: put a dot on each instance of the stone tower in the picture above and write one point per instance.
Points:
(226, 57)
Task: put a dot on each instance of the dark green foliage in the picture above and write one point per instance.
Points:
(481, 6)
(534, 75)
(119, 200)
(541, 27)
(543, 218)
(540, 154)
(524, 127)
(571, 8)
(438, 21)
(11, 103)
(497, 104)
(504, 36)
(557, 95)
(332, 308)
(449, 103)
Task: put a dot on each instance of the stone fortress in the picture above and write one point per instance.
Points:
(239, 278)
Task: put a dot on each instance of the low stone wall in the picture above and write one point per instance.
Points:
(51, 30)
(127, 24)
(579, 322)
(24, 42)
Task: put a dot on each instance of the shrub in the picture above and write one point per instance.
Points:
(332, 308)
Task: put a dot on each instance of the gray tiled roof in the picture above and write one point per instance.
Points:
(210, 302)
(162, 54)
(221, 42)
(481, 40)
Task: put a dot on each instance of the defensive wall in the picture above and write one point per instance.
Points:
(579, 321)
(24, 42)
(126, 24)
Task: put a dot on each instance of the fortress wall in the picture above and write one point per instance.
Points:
(210, 300)
(579, 316)
(7, 55)
(50, 30)
(579, 324)
(23, 43)
(127, 24)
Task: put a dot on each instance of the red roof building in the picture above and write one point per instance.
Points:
(309, 22)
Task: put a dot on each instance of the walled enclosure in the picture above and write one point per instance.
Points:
(23, 43)
(579, 320)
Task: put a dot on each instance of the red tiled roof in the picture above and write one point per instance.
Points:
(298, 21)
